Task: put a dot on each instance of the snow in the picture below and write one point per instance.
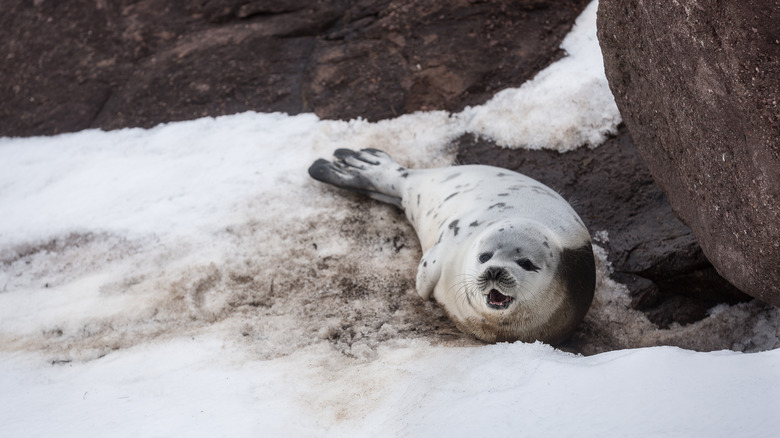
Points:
(566, 105)
(192, 280)
(205, 387)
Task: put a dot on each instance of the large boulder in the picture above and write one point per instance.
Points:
(698, 84)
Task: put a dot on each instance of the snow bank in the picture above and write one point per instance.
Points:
(203, 386)
(566, 105)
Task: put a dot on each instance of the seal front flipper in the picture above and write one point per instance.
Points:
(368, 171)
(428, 272)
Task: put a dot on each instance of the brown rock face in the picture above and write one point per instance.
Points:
(698, 84)
(68, 66)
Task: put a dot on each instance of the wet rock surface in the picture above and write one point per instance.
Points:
(69, 66)
(651, 251)
(698, 84)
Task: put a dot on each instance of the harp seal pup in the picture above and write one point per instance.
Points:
(504, 255)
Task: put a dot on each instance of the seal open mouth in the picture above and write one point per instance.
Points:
(497, 300)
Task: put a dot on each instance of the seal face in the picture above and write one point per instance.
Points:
(504, 255)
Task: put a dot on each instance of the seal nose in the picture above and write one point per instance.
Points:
(493, 273)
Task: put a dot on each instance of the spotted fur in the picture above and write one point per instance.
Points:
(537, 282)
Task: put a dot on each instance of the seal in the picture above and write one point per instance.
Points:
(506, 256)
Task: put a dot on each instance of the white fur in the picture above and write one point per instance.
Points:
(533, 211)
(494, 243)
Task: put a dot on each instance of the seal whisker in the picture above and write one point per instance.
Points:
(462, 291)
(465, 289)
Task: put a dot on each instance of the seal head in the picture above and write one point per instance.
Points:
(523, 286)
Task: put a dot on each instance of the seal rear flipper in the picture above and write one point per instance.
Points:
(367, 172)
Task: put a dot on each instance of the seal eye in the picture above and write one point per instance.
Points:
(485, 256)
(527, 265)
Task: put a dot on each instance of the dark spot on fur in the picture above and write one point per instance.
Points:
(474, 224)
(451, 177)
(546, 244)
(579, 221)
(425, 264)
(543, 191)
(400, 169)
(449, 197)
(499, 205)
(454, 226)
(499, 174)
(405, 175)
(418, 200)
(503, 194)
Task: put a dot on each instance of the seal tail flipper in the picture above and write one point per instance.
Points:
(369, 171)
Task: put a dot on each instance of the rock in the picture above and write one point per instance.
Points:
(698, 84)
(652, 252)
(69, 66)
